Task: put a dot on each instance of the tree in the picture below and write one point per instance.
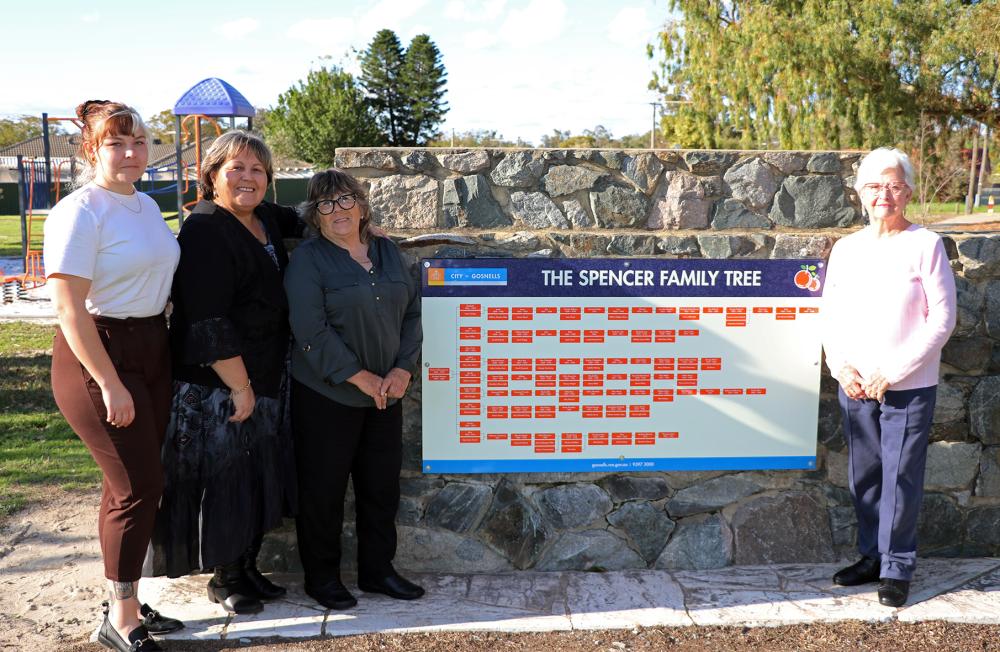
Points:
(405, 88)
(381, 71)
(476, 138)
(599, 137)
(324, 112)
(423, 79)
(21, 128)
(825, 73)
(162, 126)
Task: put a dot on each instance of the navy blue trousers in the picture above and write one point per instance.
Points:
(887, 454)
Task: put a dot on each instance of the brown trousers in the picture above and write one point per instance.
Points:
(128, 457)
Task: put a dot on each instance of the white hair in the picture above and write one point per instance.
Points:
(879, 160)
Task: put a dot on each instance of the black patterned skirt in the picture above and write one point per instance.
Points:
(225, 483)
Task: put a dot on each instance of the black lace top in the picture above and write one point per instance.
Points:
(228, 296)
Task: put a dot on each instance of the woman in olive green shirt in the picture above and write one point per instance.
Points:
(355, 316)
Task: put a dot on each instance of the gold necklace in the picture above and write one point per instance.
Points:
(137, 210)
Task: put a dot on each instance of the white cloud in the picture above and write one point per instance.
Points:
(239, 28)
(538, 22)
(93, 17)
(332, 35)
(479, 39)
(631, 27)
(474, 11)
(388, 14)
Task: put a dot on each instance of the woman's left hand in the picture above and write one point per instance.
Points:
(876, 386)
(395, 383)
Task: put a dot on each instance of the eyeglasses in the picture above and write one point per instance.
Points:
(895, 188)
(327, 206)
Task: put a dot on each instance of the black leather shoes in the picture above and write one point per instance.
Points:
(393, 585)
(863, 571)
(230, 588)
(332, 595)
(157, 623)
(893, 593)
(138, 639)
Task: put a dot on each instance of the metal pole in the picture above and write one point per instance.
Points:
(652, 131)
(22, 206)
(48, 160)
(180, 170)
(972, 171)
(982, 165)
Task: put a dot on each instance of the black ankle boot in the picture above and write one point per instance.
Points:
(230, 588)
(266, 589)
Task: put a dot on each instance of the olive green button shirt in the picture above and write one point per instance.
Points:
(345, 319)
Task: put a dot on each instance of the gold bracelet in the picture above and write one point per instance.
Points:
(237, 392)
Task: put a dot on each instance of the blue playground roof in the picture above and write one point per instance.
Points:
(214, 96)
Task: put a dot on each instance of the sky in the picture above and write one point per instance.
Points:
(520, 67)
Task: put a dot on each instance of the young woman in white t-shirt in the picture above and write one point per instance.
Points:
(110, 260)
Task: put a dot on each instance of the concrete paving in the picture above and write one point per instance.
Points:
(957, 590)
(34, 305)
(974, 218)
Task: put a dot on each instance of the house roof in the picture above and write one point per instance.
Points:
(60, 146)
(67, 145)
(161, 155)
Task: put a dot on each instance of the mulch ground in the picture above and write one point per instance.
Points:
(852, 636)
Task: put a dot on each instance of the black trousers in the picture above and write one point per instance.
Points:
(334, 441)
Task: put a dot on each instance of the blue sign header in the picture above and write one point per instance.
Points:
(607, 277)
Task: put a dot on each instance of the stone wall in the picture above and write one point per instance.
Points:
(672, 204)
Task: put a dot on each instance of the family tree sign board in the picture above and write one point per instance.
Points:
(542, 365)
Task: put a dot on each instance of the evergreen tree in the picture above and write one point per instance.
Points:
(405, 88)
(381, 71)
(322, 113)
(423, 79)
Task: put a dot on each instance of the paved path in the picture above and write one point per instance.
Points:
(957, 590)
(974, 218)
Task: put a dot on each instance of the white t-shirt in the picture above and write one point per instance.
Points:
(129, 257)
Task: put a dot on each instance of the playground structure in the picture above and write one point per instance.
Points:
(211, 99)
(35, 182)
(40, 180)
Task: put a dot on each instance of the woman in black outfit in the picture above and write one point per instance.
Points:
(355, 315)
(228, 455)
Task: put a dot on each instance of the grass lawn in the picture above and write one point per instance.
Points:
(38, 451)
(10, 235)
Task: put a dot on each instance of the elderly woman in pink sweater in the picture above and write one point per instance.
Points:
(889, 307)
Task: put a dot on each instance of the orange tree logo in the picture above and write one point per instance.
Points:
(807, 278)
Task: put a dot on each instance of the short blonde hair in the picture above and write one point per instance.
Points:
(226, 147)
(326, 184)
(880, 159)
